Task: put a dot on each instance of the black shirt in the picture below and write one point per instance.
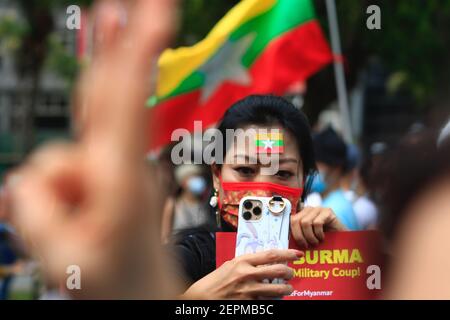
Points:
(195, 251)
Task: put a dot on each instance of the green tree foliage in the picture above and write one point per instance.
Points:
(413, 42)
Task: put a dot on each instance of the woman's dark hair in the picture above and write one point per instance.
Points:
(272, 110)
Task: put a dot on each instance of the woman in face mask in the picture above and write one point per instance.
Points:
(244, 172)
(188, 208)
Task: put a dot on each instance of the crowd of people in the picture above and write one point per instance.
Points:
(130, 225)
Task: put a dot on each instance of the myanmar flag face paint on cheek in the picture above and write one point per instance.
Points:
(269, 143)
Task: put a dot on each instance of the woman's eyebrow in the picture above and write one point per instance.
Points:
(284, 160)
(254, 160)
(247, 159)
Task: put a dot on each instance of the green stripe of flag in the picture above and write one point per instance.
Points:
(276, 143)
(283, 17)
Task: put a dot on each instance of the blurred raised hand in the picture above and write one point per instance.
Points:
(91, 203)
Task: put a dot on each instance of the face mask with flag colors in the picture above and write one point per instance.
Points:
(233, 192)
(269, 143)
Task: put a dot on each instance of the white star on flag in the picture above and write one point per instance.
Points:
(226, 65)
(268, 144)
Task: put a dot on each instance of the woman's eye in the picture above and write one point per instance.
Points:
(284, 174)
(245, 171)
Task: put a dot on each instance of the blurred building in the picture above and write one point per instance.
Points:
(51, 111)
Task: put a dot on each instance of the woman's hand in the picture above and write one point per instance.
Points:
(89, 203)
(242, 277)
(308, 225)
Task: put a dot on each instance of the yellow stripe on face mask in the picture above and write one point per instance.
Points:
(177, 64)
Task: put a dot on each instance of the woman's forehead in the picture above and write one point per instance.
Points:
(246, 140)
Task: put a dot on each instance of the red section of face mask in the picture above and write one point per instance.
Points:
(233, 192)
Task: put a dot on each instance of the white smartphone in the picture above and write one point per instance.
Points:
(263, 224)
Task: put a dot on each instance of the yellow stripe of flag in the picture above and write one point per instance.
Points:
(269, 136)
(177, 64)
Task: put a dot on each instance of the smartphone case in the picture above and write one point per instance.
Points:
(270, 231)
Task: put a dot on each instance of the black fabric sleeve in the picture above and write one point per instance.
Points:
(195, 251)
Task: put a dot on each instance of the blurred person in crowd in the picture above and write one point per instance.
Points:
(366, 210)
(444, 135)
(378, 151)
(415, 217)
(90, 203)
(19, 276)
(160, 173)
(8, 259)
(372, 167)
(2, 203)
(14, 261)
(355, 184)
(7, 255)
(189, 207)
(331, 157)
(242, 173)
(349, 180)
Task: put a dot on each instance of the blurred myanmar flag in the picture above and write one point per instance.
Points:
(259, 47)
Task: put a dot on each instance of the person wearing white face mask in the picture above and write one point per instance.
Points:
(188, 208)
(355, 184)
(444, 136)
(331, 159)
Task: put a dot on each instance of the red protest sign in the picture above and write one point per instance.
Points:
(347, 265)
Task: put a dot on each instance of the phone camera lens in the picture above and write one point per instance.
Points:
(257, 211)
(247, 215)
(248, 205)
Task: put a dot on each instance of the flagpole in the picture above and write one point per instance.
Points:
(339, 71)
